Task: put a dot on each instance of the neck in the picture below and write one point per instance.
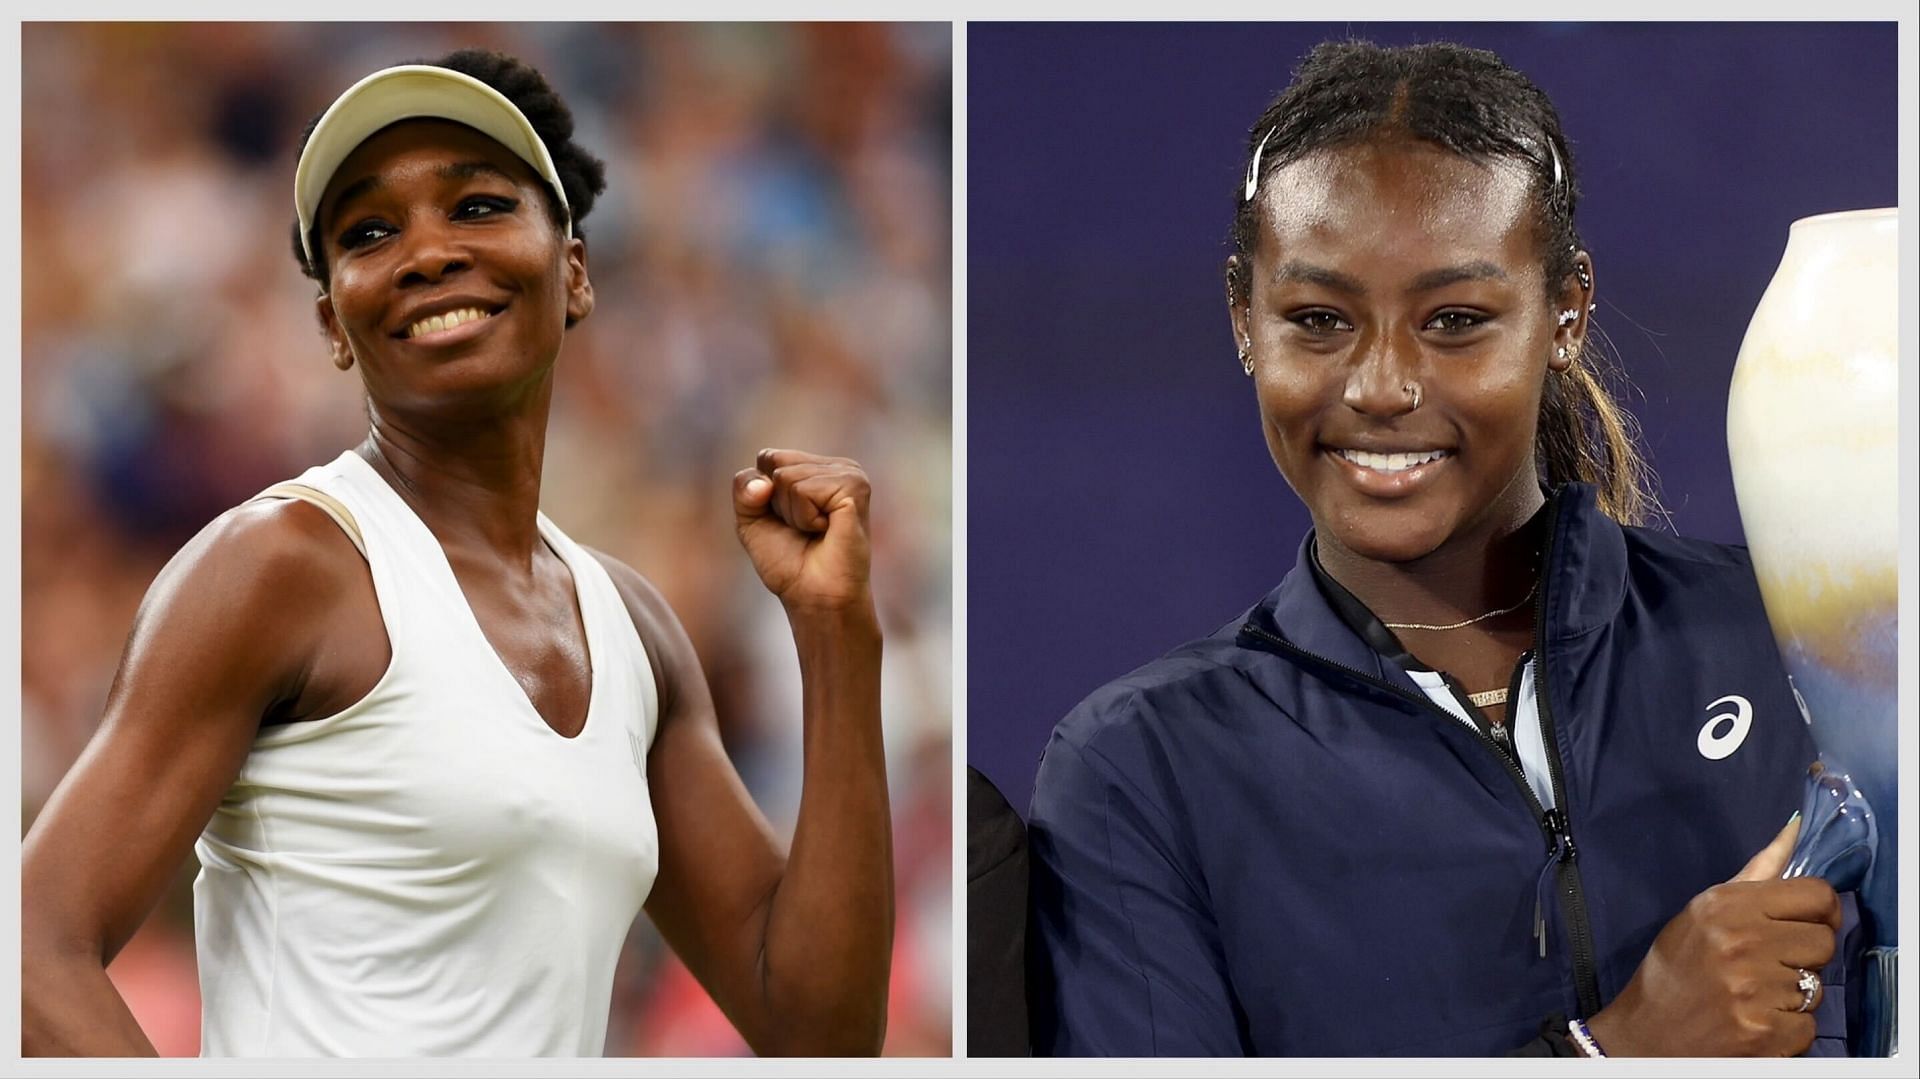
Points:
(1488, 565)
(475, 482)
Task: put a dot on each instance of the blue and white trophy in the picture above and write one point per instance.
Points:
(1813, 431)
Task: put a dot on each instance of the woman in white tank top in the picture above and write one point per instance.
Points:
(433, 755)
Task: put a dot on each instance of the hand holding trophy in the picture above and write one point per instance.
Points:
(1720, 978)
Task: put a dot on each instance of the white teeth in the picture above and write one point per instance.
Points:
(448, 321)
(1391, 462)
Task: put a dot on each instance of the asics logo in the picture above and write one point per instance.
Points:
(1726, 731)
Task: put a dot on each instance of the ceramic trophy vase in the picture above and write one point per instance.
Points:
(1813, 431)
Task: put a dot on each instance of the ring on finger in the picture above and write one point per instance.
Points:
(1809, 986)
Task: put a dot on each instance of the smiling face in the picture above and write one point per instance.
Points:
(448, 280)
(1401, 330)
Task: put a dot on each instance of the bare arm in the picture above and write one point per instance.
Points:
(794, 949)
(219, 639)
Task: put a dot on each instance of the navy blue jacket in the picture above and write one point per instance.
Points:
(1269, 841)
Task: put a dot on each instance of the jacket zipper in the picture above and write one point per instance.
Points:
(1553, 822)
(1573, 897)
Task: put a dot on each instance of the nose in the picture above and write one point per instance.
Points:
(430, 250)
(1383, 367)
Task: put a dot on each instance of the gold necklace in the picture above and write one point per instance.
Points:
(1470, 621)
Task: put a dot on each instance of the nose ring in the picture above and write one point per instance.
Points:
(1412, 389)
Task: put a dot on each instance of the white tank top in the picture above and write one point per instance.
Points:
(433, 871)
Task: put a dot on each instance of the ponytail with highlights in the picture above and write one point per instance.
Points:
(1585, 436)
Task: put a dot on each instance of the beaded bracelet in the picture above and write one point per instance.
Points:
(1583, 1038)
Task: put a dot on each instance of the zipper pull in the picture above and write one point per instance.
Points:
(1563, 848)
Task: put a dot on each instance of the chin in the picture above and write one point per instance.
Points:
(469, 389)
(1396, 549)
(1385, 533)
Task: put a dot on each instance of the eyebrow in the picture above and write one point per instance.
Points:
(1472, 271)
(1306, 273)
(466, 170)
(1294, 270)
(363, 186)
(458, 170)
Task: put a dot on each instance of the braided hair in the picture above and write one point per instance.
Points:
(1473, 104)
(582, 175)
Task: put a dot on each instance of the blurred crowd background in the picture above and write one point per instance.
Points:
(773, 267)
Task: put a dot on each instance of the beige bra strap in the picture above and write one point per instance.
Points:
(333, 507)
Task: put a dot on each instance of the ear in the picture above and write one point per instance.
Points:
(1575, 294)
(1238, 304)
(330, 326)
(579, 285)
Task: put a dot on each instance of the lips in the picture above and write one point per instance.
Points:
(437, 323)
(1393, 461)
(445, 315)
(1389, 472)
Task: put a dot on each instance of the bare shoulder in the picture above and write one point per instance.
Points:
(265, 553)
(280, 531)
(669, 650)
(252, 598)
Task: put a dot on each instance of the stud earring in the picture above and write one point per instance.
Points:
(1246, 354)
(1560, 353)
(1569, 316)
(1585, 275)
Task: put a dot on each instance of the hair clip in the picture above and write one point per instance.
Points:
(1253, 170)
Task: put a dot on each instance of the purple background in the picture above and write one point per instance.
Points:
(1120, 498)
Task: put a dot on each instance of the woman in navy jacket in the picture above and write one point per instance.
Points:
(1492, 770)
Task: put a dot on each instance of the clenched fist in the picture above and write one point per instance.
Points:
(803, 521)
(1721, 978)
